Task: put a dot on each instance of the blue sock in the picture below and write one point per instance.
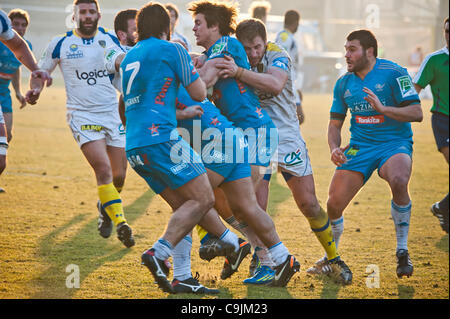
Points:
(401, 216)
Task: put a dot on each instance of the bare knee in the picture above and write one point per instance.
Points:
(335, 207)
(399, 183)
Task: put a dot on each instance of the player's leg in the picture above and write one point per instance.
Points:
(242, 199)
(97, 156)
(262, 191)
(343, 188)
(440, 124)
(397, 172)
(9, 124)
(3, 146)
(118, 161)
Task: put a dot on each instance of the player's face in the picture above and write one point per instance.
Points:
(87, 16)
(201, 31)
(446, 33)
(20, 25)
(173, 20)
(355, 55)
(255, 50)
(131, 33)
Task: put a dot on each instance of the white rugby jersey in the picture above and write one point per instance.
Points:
(81, 60)
(281, 108)
(6, 32)
(287, 41)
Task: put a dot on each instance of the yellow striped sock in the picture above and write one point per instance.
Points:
(321, 227)
(201, 232)
(111, 202)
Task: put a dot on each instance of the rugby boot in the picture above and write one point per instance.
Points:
(105, 224)
(441, 215)
(233, 260)
(192, 286)
(158, 268)
(285, 271)
(213, 248)
(125, 234)
(404, 264)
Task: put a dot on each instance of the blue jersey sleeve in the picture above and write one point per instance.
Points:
(183, 66)
(403, 90)
(339, 107)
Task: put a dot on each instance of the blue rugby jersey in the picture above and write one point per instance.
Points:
(152, 72)
(393, 86)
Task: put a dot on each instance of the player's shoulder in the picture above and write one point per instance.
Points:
(57, 42)
(283, 36)
(437, 56)
(391, 67)
(106, 34)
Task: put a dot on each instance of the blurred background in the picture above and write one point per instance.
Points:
(401, 27)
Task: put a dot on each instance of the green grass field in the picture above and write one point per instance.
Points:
(49, 220)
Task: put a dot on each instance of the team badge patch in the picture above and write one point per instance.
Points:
(102, 43)
(406, 86)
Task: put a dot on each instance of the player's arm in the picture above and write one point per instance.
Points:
(189, 112)
(335, 140)
(209, 72)
(123, 118)
(411, 112)
(15, 81)
(197, 90)
(113, 57)
(273, 81)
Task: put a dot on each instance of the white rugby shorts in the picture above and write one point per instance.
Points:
(89, 126)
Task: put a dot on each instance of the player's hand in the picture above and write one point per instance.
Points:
(228, 68)
(192, 112)
(21, 100)
(338, 157)
(43, 75)
(31, 97)
(373, 100)
(199, 61)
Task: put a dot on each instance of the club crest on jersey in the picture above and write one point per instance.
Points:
(154, 130)
(102, 43)
(406, 86)
(218, 49)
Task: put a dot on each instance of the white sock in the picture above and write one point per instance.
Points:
(279, 253)
(182, 259)
(163, 249)
(401, 216)
(264, 256)
(337, 226)
(231, 238)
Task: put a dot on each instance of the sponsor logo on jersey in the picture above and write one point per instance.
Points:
(217, 49)
(374, 119)
(74, 52)
(91, 127)
(406, 86)
(121, 130)
(92, 76)
(162, 94)
(347, 93)
(133, 100)
(178, 168)
(154, 129)
(241, 86)
(293, 158)
(379, 87)
(352, 151)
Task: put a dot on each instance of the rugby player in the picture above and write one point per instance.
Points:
(382, 101)
(228, 243)
(16, 44)
(92, 109)
(150, 83)
(19, 22)
(271, 76)
(214, 22)
(434, 72)
(174, 35)
(286, 39)
(260, 10)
